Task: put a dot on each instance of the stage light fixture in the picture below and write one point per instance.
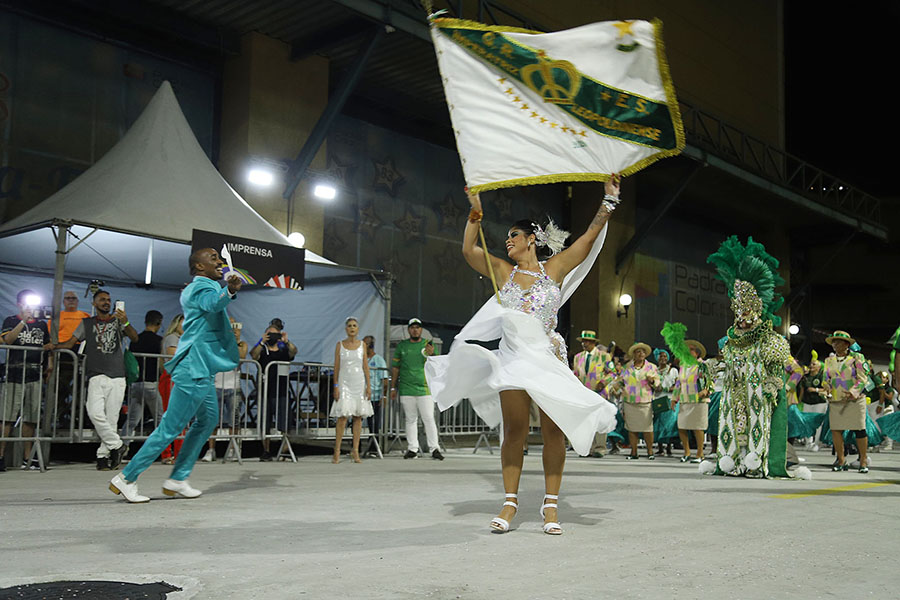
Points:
(324, 191)
(794, 329)
(260, 177)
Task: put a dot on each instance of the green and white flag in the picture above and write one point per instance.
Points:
(573, 105)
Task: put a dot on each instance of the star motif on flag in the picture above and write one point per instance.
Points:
(447, 263)
(411, 225)
(502, 80)
(448, 213)
(524, 107)
(387, 176)
(339, 170)
(624, 27)
(606, 96)
(368, 221)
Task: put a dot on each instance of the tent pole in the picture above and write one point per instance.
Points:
(62, 239)
(387, 407)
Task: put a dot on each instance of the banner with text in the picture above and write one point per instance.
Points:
(256, 263)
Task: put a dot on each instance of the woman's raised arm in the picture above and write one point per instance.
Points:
(572, 256)
(474, 254)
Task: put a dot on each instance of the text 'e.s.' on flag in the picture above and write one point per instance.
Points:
(573, 105)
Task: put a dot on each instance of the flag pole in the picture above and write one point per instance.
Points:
(487, 261)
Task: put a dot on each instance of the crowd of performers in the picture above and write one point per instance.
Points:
(746, 399)
(677, 398)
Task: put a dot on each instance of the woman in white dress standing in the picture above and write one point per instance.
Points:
(531, 362)
(351, 384)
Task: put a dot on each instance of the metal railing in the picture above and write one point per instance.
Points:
(285, 401)
(733, 145)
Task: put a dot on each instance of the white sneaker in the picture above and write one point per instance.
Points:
(118, 485)
(814, 448)
(855, 463)
(209, 456)
(171, 487)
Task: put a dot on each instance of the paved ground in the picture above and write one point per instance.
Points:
(402, 529)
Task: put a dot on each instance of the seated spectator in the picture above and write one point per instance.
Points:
(228, 388)
(21, 391)
(144, 393)
(274, 346)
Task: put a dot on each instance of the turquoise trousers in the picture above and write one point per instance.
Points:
(189, 398)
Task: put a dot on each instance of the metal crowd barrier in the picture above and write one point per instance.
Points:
(34, 399)
(297, 401)
(237, 392)
(286, 401)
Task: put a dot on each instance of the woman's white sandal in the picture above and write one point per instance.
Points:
(551, 528)
(499, 525)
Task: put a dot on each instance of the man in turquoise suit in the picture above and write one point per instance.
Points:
(207, 347)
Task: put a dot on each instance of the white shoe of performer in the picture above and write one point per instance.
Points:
(129, 490)
(209, 456)
(173, 488)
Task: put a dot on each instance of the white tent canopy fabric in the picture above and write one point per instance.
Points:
(156, 182)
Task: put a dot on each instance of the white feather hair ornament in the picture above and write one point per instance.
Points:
(553, 237)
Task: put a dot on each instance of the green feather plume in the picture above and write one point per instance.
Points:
(673, 334)
(750, 263)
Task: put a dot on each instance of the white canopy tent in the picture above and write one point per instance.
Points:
(142, 200)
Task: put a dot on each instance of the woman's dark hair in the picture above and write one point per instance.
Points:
(530, 227)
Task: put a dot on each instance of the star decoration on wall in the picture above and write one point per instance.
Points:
(340, 171)
(401, 273)
(447, 263)
(503, 202)
(333, 243)
(368, 222)
(411, 225)
(387, 176)
(448, 213)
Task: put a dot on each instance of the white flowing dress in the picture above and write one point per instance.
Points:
(354, 400)
(531, 357)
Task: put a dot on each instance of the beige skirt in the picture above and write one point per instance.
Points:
(638, 417)
(693, 416)
(849, 415)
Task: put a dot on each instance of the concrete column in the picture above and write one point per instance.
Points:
(594, 304)
(270, 105)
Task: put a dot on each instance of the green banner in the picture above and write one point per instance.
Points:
(602, 108)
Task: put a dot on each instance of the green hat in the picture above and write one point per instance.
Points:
(587, 334)
(840, 335)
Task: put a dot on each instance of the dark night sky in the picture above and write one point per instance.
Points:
(841, 69)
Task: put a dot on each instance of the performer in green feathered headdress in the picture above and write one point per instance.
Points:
(753, 412)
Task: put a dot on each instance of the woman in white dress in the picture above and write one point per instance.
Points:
(531, 362)
(351, 384)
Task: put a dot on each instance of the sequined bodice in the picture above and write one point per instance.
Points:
(542, 299)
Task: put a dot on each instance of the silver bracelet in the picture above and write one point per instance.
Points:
(611, 198)
(608, 206)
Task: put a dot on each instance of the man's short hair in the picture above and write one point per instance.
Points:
(98, 292)
(153, 317)
(195, 258)
(20, 297)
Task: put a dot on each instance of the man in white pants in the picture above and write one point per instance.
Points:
(408, 378)
(105, 374)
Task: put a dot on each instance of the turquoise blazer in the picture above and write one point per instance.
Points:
(207, 346)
